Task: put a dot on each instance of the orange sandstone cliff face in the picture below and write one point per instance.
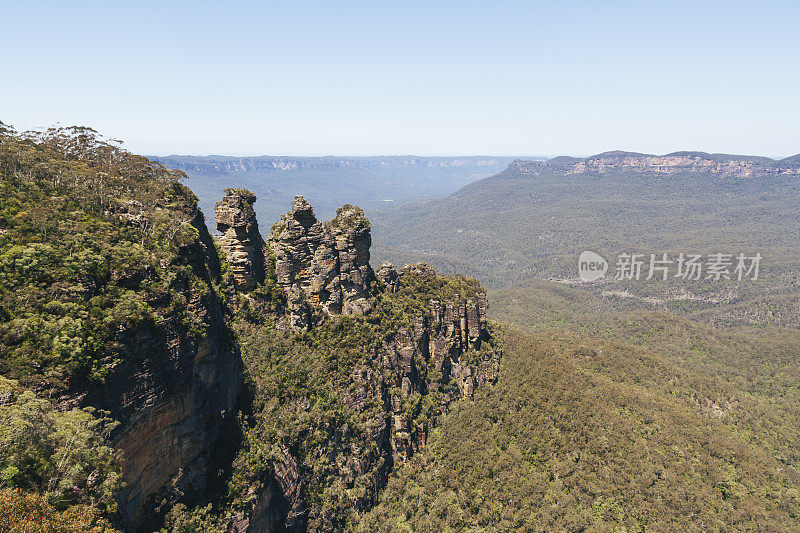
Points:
(170, 390)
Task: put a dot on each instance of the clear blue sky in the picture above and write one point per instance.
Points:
(408, 77)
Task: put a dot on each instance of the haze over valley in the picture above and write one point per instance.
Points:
(370, 182)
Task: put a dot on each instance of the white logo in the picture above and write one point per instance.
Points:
(591, 267)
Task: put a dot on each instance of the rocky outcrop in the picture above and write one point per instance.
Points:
(441, 351)
(350, 230)
(449, 343)
(240, 239)
(320, 266)
(387, 275)
(455, 364)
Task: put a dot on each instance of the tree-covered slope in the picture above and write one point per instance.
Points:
(88, 235)
(533, 219)
(582, 433)
(110, 301)
(755, 368)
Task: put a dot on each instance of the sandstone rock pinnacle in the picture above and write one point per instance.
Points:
(389, 277)
(240, 240)
(322, 265)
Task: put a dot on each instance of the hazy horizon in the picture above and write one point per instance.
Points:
(435, 156)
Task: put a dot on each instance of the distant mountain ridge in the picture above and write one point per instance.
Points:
(685, 161)
(330, 181)
(532, 220)
(224, 164)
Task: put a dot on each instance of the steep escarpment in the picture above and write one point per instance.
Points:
(226, 164)
(171, 387)
(443, 351)
(137, 332)
(111, 299)
(673, 163)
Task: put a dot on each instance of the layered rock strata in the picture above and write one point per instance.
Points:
(322, 267)
(674, 163)
(449, 343)
(170, 391)
(240, 239)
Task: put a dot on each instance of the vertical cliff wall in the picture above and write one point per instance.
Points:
(444, 351)
(171, 388)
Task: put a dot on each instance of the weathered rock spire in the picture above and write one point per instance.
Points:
(352, 240)
(240, 240)
(323, 269)
(322, 265)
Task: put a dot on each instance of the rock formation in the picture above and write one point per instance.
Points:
(322, 266)
(441, 344)
(443, 351)
(351, 237)
(440, 341)
(387, 275)
(240, 239)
